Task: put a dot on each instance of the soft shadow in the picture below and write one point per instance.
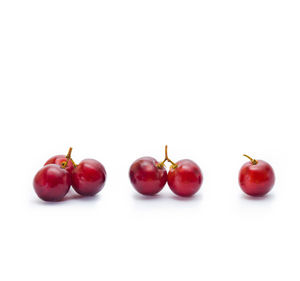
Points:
(141, 197)
(76, 196)
(71, 196)
(42, 202)
(159, 197)
(267, 197)
(196, 197)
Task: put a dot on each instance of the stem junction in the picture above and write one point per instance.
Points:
(68, 156)
(253, 161)
(162, 164)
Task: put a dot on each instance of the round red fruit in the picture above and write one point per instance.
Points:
(88, 177)
(185, 178)
(51, 183)
(146, 176)
(256, 177)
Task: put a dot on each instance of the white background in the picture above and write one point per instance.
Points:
(118, 80)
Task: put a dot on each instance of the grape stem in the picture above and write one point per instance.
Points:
(69, 153)
(162, 164)
(253, 161)
(68, 156)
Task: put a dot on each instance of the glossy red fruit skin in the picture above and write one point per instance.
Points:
(59, 159)
(186, 179)
(88, 177)
(258, 179)
(146, 177)
(52, 183)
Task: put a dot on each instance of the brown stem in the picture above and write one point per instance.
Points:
(253, 161)
(161, 164)
(74, 164)
(68, 156)
(166, 152)
(65, 163)
(69, 153)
